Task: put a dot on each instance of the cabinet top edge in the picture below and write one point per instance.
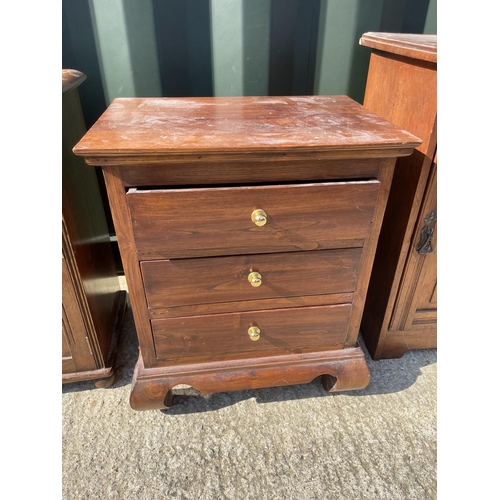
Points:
(190, 125)
(415, 46)
(71, 79)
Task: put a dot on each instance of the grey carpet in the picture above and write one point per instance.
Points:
(288, 443)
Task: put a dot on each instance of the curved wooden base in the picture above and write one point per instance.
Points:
(342, 370)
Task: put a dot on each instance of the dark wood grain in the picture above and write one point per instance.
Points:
(224, 172)
(368, 255)
(183, 178)
(416, 304)
(346, 368)
(249, 305)
(225, 279)
(217, 221)
(225, 336)
(401, 87)
(126, 244)
(204, 125)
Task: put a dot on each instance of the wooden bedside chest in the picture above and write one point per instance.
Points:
(247, 228)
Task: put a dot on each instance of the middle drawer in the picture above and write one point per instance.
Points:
(249, 277)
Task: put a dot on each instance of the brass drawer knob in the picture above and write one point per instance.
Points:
(259, 217)
(255, 279)
(254, 333)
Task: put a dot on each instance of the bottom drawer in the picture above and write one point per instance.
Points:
(228, 336)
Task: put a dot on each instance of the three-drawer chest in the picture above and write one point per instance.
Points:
(247, 228)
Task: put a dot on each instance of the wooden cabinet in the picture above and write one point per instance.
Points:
(401, 305)
(247, 228)
(92, 303)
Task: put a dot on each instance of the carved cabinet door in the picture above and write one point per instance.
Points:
(416, 307)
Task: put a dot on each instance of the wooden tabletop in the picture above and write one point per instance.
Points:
(164, 126)
(423, 47)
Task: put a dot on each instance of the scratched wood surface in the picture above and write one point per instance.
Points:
(149, 126)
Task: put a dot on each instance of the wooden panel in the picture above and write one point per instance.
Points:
(76, 323)
(250, 305)
(368, 255)
(424, 317)
(225, 336)
(225, 279)
(402, 90)
(224, 172)
(217, 221)
(397, 343)
(204, 125)
(66, 351)
(412, 87)
(68, 365)
(418, 285)
(87, 233)
(123, 226)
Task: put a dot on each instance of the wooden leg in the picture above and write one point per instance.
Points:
(104, 383)
(168, 401)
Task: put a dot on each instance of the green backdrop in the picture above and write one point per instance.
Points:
(145, 48)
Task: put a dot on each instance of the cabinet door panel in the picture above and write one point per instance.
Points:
(416, 308)
(74, 328)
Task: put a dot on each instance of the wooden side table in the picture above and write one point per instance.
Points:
(401, 305)
(247, 228)
(93, 306)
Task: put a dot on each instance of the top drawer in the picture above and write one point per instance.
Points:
(180, 223)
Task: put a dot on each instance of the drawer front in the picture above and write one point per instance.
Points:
(177, 223)
(226, 336)
(265, 276)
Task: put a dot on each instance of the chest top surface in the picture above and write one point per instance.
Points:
(205, 125)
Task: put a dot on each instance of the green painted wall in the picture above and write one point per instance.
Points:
(148, 48)
(430, 27)
(342, 64)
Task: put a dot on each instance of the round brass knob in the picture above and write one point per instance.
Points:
(255, 279)
(254, 333)
(259, 217)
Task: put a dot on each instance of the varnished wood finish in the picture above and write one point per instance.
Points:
(367, 257)
(250, 305)
(225, 336)
(223, 172)
(181, 223)
(345, 369)
(128, 252)
(92, 302)
(415, 46)
(184, 282)
(138, 127)
(184, 176)
(401, 87)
